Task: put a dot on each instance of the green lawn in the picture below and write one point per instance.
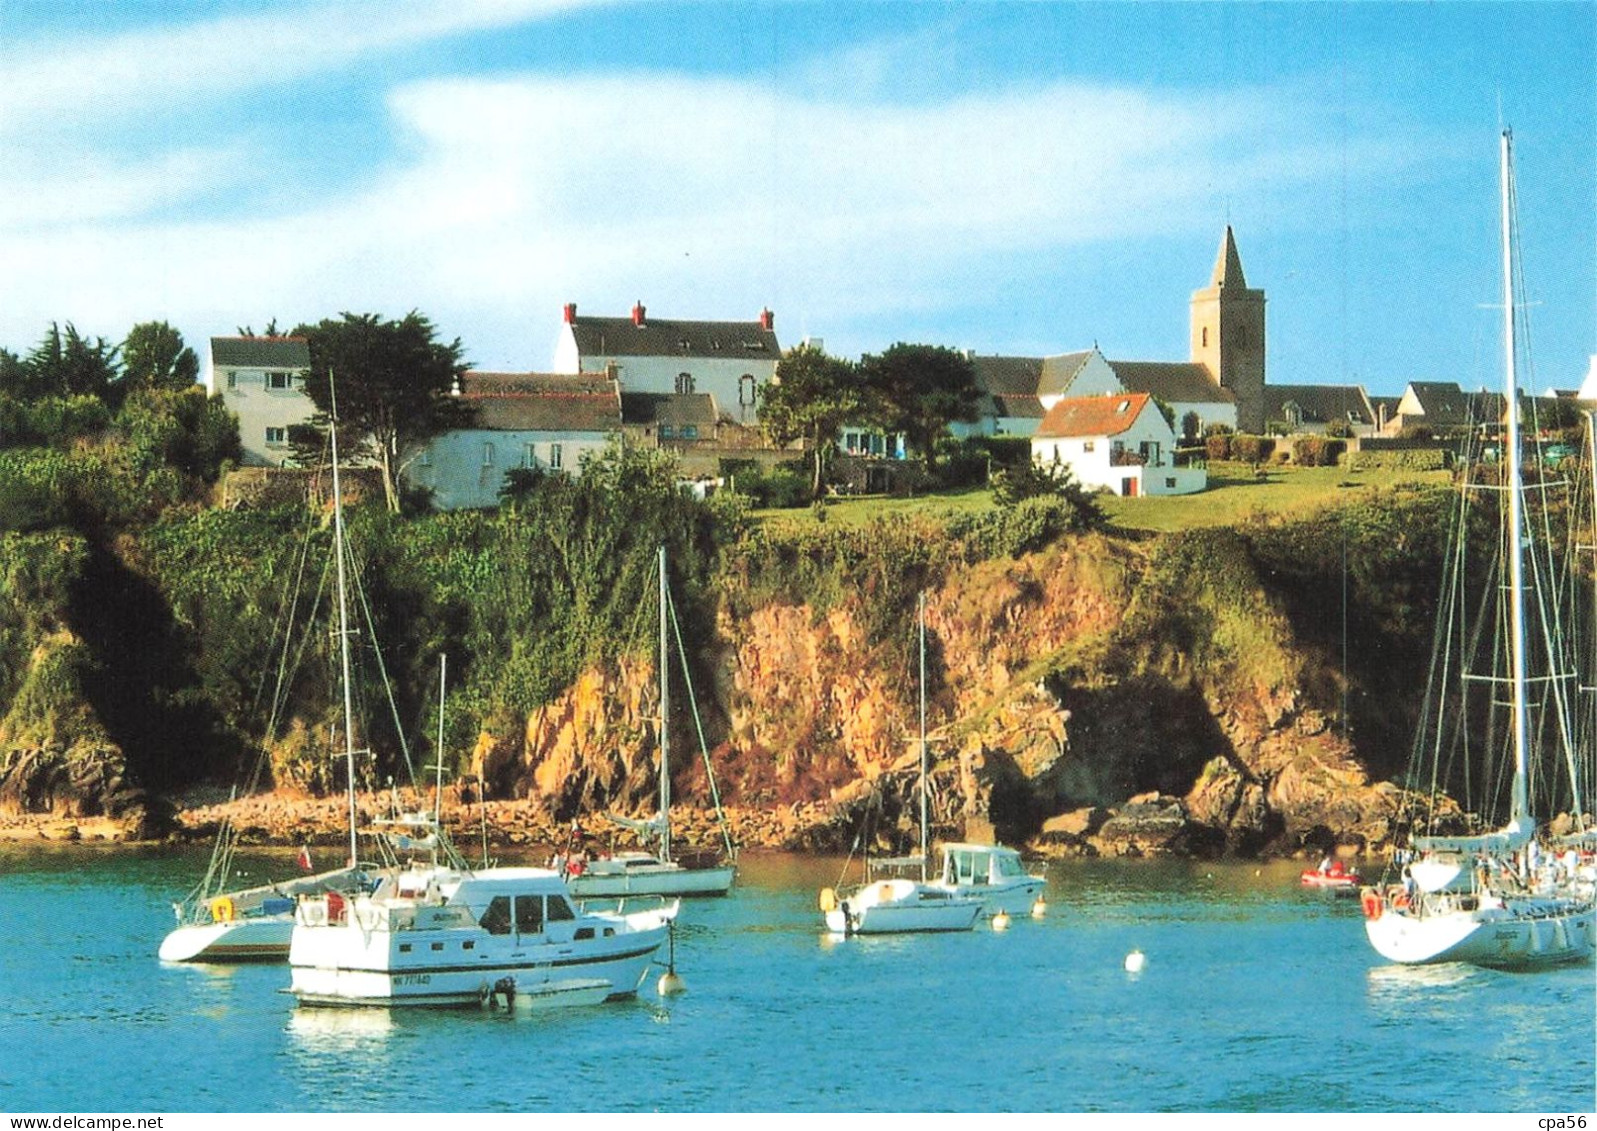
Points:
(1234, 494)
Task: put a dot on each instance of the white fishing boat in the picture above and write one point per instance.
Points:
(900, 905)
(994, 874)
(627, 874)
(1485, 898)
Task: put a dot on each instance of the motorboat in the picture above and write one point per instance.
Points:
(436, 933)
(660, 873)
(1484, 898)
(1331, 876)
(994, 874)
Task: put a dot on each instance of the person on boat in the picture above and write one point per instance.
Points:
(1325, 865)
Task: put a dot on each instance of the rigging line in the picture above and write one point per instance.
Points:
(693, 703)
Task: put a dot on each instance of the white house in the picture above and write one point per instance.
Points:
(730, 361)
(261, 380)
(535, 421)
(1121, 442)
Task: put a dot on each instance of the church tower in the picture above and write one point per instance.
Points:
(1228, 335)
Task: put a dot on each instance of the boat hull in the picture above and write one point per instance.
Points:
(261, 939)
(891, 907)
(1495, 937)
(1015, 897)
(661, 879)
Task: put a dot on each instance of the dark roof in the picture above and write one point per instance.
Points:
(1059, 370)
(672, 409)
(1018, 405)
(1093, 416)
(261, 353)
(1008, 375)
(1443, 403)
(621, 337)
(1178, 382)
(1318, 404)
(543, 402)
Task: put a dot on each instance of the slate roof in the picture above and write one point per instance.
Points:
(1444, 404)
(671, 409)
(621, 337)
(1093, 416)
(1318, 404)
(1176, 382)
(1009, 386)
(261, 353)
(543, 402)
(1059, 370)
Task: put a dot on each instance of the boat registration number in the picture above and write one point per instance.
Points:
(413, 980)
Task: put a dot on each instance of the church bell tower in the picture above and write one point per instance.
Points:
(1228, 335)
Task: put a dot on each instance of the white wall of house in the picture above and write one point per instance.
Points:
(268, 402)
(733, 381)
(1092, 459)
(467, 468)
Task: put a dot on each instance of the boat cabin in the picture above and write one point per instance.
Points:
(974, 864)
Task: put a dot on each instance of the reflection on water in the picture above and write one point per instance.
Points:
(354, 1033)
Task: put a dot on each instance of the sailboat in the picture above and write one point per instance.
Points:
(625, 874)
(900, 905)
(218, 923)
(435, 933)
(1486, 898)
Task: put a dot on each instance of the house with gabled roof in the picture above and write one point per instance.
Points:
(521, 421)
(730, 361)
(1443, 406)
(1316, 408)
(1119, 442)
(262, 381)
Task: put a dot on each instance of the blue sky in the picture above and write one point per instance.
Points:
(1017, 178)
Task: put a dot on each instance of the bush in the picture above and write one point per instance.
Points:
(1251, 449)
(1217, 445)
(1404, 459)
(1317, 451)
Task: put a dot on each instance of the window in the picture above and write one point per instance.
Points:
(1205, 342)
(276, 437)
(559, 909)
(666, 432)
(690, 431)
(556, 456)
(746, 393)
(528, 459)
(277, 380)
(529, 914)
(684, 384)
(1170, 482)
(487, 455)
(232, 378)
(496, 920)
(1088, 445)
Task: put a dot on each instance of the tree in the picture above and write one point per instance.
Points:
(392, 381)
(70, 365)
(812, 397)
(154, 357)
(921, 391)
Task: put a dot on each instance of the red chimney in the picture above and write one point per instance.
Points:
(571, 312)
(767, 319)
(637, 314)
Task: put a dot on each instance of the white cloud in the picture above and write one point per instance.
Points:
(704, 197)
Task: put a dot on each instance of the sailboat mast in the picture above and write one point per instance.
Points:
(1519, 803)
(665, 723)
(343, 620)
(921, 609)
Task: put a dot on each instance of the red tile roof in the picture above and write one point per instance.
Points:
(1093, 416)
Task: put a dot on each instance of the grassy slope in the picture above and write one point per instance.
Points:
(1235, 493)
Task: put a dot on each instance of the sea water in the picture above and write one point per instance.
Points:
(1254, 996)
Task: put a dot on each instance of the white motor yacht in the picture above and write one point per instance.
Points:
(992, 873)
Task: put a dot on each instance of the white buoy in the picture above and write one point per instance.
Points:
(1040, 908)
(1134, 962)
(1001, 920)
(671, 984)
